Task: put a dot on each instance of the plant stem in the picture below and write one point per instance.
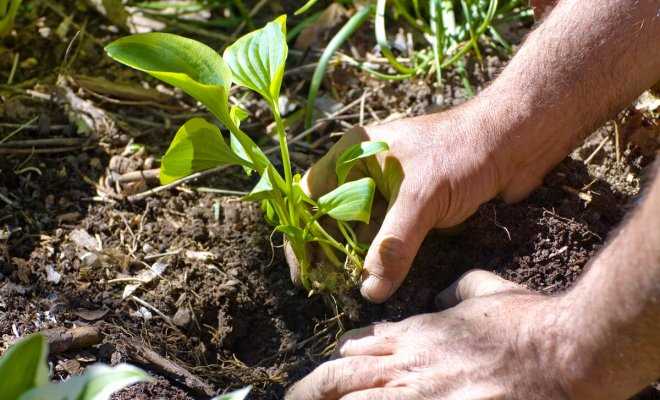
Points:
(286, 158)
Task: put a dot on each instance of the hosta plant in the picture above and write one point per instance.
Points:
(24, 376)
(256, 61)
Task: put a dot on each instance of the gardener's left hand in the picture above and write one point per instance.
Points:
(501, 341)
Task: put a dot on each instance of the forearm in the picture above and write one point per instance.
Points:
(585, 62)
(611, 319)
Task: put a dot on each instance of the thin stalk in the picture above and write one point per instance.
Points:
(348, 233)
(470, 25)
(383, 43)
(305, 7)
(400, 7)
(356, 21)
(244, 13)
(437, 28)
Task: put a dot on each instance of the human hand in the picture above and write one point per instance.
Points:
(440, 168)
(500, 341)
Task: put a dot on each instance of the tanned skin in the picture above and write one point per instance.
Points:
(585, 61)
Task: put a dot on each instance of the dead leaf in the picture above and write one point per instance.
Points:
(91, 315)
(329, 19)
(145, 276)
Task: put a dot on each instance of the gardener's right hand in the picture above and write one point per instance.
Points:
(441, 167)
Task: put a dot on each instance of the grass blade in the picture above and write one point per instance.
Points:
(344, 33)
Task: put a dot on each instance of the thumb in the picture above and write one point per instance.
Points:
(393, 249)
(475, 283)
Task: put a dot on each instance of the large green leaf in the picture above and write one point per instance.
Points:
(98, 383)
(192, 66)
(353, 154)
(24, 367)
(257, 59)
(240, 394)
(187, 64)
(351, 201)
(198, 145)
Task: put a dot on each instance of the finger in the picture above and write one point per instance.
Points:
(370, 341)
(395, 393)
(337, 378)
(321, 177)
(475, 283)
(394, 248)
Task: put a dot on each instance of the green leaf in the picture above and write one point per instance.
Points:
(192, 66)
(24, 367)
(294, 233)
(98, 383)
(198, 145)
(240, 394)
(7, 16)
(187, 64)
(349, 202)
(257, 60)
(269, 212)
(353, 154)
(263, 189)
(237, 115)
(298, 192)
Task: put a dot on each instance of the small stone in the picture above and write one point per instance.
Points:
(182, 317)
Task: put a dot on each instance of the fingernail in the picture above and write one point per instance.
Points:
(376, 289)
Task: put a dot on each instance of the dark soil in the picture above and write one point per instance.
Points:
(224, 308)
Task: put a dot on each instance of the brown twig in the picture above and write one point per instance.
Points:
(142, 354)
(17, 144)
(600, 146)
(38, 151)
(62, 339)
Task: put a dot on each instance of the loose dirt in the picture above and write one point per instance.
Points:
(224, 309)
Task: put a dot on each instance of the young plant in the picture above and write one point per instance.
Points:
(257, 61)
(24, 376)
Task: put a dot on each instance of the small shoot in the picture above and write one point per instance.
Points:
(257, 62)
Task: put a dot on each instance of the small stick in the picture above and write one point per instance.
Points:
(61, 339)
(143, 175)
(20, 128)
(154, 309)
(7, 200)
(14, 66)
(362, 102)
(617, 142)
(600, 146)
(221, 191)
(16, 144)
(142, 354)
(38, 151)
